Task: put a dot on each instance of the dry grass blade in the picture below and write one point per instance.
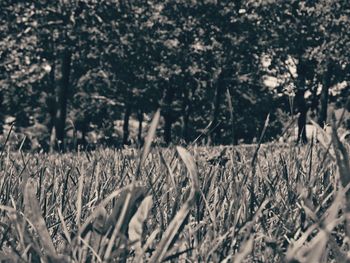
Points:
(302, 248)
(123, 210)
(33, 213)
(204, 131)
(181, 215)
(170, 172)
(321, 135)
(137, 194)
(7, 138)
(22, 143)
(8, 209)
(211, 215)
(343, 163)
(288, 127)
(91, 218)
(342, 157)
(98, 223)
(9, 257)
(191, 166)
(298, 244)
(64, 226)
(79, 204)
(119, 224)
(86, 244)
(245, 250)
(150, 240)
(136, 225)
(148, 141)
(100, 219)
(255, 156)
(171, 231)
(319, 249)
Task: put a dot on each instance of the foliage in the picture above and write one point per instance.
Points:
(78, 66)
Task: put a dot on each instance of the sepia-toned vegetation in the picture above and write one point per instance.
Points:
(252, 203)
(174, 131)
(86, 72)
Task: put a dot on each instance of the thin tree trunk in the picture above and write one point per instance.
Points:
(62, 99)
(51, 105)
(230, 107)
(186, 118)
(301, 102)
(52, 146)
(167, 128)
(214, 127)
(51, 127)
(302, 121)
(51, 100)
(186, 108)
(140, 119)
(83, 136)
(81, 125)
(322, 117)
(168, 114)
(75, 139)
(1, 113)
(126, 123)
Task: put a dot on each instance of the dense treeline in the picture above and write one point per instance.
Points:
(87, 72)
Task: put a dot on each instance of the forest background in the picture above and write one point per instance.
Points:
(93, 72)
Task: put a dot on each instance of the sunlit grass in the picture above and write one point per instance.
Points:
(204, 204)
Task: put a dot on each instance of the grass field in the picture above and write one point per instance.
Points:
(222, 204)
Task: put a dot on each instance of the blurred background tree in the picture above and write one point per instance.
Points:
(89, 72)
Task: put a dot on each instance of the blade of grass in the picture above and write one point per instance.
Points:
(33, 213)
(136, 225)
(64, 226)
(182, 214)
(117, 227)
(7, 139)
(343, 163)
(148, 141)
(79, 200)
(255, 156)
(103, 203)
(86, 244)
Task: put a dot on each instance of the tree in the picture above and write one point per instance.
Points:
(309, 32)
(207, 64)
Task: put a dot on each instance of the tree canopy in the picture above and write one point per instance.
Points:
(88, 72)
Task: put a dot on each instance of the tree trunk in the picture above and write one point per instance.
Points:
(230, 107)
(81, 125)
(186, 108)
(83, 136)
(62, 99)
(52, 132)
(1, 114)
(126, 124)
(322, 116)
(167, 128)
(301, 102)
(140, 119)
(51, 99)
(214, 136)
(51, 103)
(186, 118)
(168, 114)
(302, 121)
